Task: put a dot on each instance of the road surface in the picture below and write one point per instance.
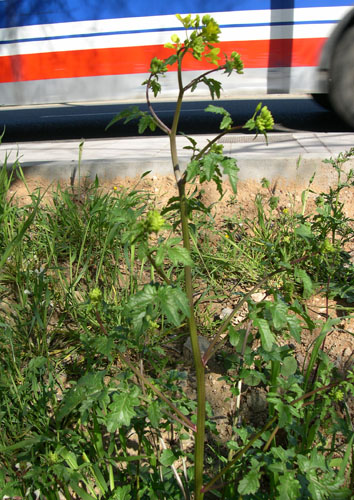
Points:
(76, 121)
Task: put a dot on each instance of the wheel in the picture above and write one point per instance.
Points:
(323, 100)
(341, 81)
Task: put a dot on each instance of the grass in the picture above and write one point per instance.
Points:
(80, 373)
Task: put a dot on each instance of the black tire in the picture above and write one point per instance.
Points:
(341, 82)
(323, 100)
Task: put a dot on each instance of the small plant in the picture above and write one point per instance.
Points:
(207, 164)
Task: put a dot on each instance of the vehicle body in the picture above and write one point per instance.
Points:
(57, 51)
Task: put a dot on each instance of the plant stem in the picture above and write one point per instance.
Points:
(162, 126)
(199, 367)
(158, 269)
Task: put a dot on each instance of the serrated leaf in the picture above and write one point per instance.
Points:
(167, 458)
(279, 314)
(154, 414)
(193, 169)
(160, 255)
(231, 169)
(71, 400)
(180, 255)
(121, 493)
(267, 337)
(147, 121)
(219, 110)
(174, 304)
(249, 484)
(284, 412)
(304, 231)
(172, 59)
(122, 410)
(127, 115)
(214, 86)
(11, 490)
(104, 345)
(142, 298)
(210, 162)
(226, 122)
(289, 487)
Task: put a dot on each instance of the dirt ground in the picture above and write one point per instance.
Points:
(339, 344)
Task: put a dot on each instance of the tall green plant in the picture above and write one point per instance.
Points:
(206, 164)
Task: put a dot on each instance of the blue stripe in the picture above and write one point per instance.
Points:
(28, 12)
(133, 32)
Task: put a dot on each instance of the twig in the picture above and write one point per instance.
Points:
(175, 473)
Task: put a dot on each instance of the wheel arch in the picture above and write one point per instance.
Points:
(330, 46)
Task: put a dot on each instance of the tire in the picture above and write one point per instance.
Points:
(323, 100)
(341, 81)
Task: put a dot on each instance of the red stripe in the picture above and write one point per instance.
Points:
(128, 60)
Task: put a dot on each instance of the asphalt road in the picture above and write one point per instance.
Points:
(76, 121)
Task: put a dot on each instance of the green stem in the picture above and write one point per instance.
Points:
(162, 126)
(199, 367)
(158, 269)
(203, 151)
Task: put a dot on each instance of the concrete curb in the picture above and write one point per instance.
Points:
(291, 156)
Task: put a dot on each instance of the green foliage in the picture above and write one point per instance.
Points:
(97, 294)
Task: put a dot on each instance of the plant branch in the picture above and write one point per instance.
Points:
(158, 121)
(158, 269)
(197, 80)
(203, 151)
(173, 133)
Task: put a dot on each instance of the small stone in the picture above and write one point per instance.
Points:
(203, 346)
(258, 296)
(225, 312)
(347, 352)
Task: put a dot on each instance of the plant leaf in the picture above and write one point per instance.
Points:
(231, 169)
(121, 493)
(249, 484)
(167, 458)
(289, 366)
(154, 414)
(122, 410)
(267, 336)
(174, 304)
(180, 255)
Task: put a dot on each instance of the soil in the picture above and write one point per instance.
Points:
(339, 344)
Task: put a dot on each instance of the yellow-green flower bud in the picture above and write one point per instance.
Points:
(95, 296)
(327, 246)
(264, 120)
(154, 221)
(338, 395)
(53, 458)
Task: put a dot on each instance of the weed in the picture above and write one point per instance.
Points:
(97, 291)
